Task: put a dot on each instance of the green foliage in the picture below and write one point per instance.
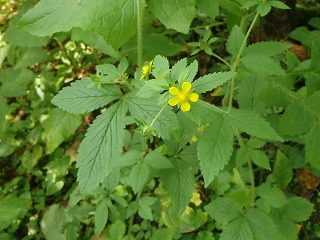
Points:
(94, 145)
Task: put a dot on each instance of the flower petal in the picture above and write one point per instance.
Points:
(185, 106)
(174, 91)
(186, 86)
(193, 97)
(173, 101)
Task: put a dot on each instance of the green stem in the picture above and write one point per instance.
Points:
(132, 218)
(222, 60)
(156, 117)
(140, 8)
(212, 107)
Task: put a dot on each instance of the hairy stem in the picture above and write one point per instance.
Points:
(140, 8)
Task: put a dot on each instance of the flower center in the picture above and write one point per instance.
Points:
(145, 69)
(182, 97)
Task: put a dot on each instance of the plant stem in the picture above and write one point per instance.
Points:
(212, 107)
(140, 8)
(222, 60)
(156, 117)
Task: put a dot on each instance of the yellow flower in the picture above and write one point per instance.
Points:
(183, 96)
(146, 70)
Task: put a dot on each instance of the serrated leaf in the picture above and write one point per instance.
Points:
(176, 15)
(152, 87)
(231, 6)
(139, 175)
(238, 229)
(224, 209)
(282, 170)
(114, 20)
(101, 216)
(84, 96)
(297, 209)
(272, 195)
(144, 209)
(264, 8)
(146, 110)
(32, 56)
(260, 159)
(209, 8)
(314, 100)
(157, 160)
(117, 230)
(211, 81)
(130, 158)
(235, 40)
(58, 127)
(215, 148)
(297, 119)
(177, 68)
(313, 146)
(178, 182)
(252, 124)
(160, 65)
(262, 64)
(269, 49)
(278, 4)
(101, 147)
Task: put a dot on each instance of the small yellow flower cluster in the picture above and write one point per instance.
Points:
(146, 70)
(183, 96)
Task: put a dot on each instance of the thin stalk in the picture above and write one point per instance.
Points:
(222, 60)
(156, 117)
(140, 8)
(212, 107)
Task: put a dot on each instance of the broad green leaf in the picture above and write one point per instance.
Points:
(116, 231)
(32, 56)
(264, 8)
(224, 209)
(101, 147)
(177, 68)
(262, 226)
(114, 20)
(287, 228)
(272, 195)
(101, 216)
(160, 65)
(235, 41)
(52, 222)
(162, 233)
(85, 96)
(313, 146)
(174, 14)
(262, 64)
(282, 170)
(210, 8)
(144, 209)
(152, 88)
(278, 4)
(260, 159)
(252, 124)
(11, 208)
(231, 6)
(157, 160)
(215, 148)
(178, 182)
(129, 158)
(58, 127)
(139, 175)
(270, 48)
(146, 110)
(211, 81)
(313, 102)
(249, 93)
(277, 95)
(297, 209)
(297, 119)
(238, 229)
(305, 36)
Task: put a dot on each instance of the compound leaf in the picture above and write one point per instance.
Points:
(157, 160)
(139, 175)
(297, 209)
(101, 147)
(238, 229)
(85, 96)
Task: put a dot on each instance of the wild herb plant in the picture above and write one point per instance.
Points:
(161, 149)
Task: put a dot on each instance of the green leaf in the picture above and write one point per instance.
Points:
(157, 160)
(297, 119)
(252, 124)
(231, 6)
(114, 20)
(10, 209)
(272, 195)
(262, 226)
(116, 231)
(52, 222)
(249, 93)
(264, 8)
(139, 175)
(282, 170)
(278, 4)
(101, 216)
(224, 209)
(101, 147)
(235, 41)
(162, 233)
(58, 127)
(174, 14)
(129, 158)
(297, 209)
(177, 68)
(32, 56)
(178, 182)
(262, 64)
(313, 102)
(146, 110)
(211, 81)
(211, 9)
(313, 146)
(144, 209)
(260, 159)
(161, 66)
(269, 49)
(85, 96)
(215, 148)
(238, 229)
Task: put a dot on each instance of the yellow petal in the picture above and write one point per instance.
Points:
(174, 91)
(193, 97)
(186, 86)
(185, 106)
(173, 101)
